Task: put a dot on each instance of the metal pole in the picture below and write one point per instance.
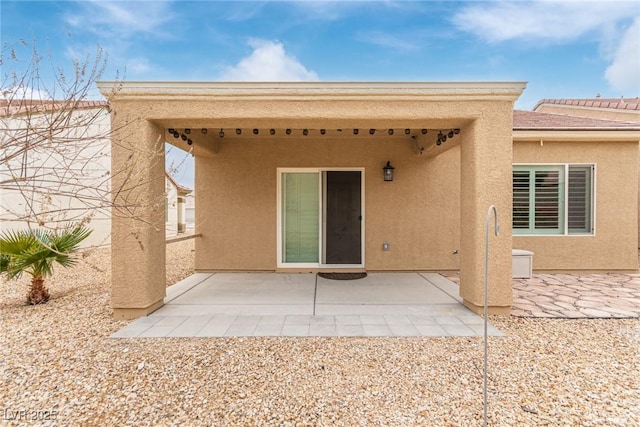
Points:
(496, 227)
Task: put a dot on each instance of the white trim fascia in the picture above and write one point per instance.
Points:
(583, 135)
(331, 90)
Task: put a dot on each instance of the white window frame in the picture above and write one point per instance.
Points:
(321, 221)
(565, 219)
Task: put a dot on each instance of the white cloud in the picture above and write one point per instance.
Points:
(327, 10)
(541, 20)
(138, 65)
(268, 62)
(24, 92)
(121, 19)
(624, 72)
(119, 26)
(561, 22)
(387, 40)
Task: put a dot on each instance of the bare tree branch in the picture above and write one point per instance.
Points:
(55, 146)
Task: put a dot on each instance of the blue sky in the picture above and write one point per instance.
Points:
(563, 49)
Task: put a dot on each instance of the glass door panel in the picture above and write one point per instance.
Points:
(301, 216)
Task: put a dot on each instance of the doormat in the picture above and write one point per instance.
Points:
(343, 276)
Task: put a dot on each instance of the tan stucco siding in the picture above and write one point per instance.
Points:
(602, 113)
(486, 157)
(418, 213)
(613, 245)
(138, 222)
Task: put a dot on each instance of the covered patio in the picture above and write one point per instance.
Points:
(277, 304)
(289, 179)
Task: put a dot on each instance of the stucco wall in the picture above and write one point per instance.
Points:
(601, 113)
(418, 213)
(59, 174)
(171, 209)
(613, 246)
(236, 180)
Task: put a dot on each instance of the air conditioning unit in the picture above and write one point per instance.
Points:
(521, 264)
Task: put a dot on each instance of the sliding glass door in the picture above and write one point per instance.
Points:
(320, 219)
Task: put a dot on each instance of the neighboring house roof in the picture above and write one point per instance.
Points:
(24, 106)
(608, 103)
(181, 189)
(533, 120)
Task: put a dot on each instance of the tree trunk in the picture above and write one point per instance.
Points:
(38, 294)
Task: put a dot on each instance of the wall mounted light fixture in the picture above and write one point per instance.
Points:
(388, 172)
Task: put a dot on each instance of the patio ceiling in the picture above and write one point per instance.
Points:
(427, 141)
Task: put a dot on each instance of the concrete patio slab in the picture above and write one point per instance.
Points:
(302, 305)
(381, 288)
(251, 288)
(174, 309)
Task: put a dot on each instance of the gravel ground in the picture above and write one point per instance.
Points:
(58, 358)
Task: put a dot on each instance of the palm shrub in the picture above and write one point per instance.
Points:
(35, 252)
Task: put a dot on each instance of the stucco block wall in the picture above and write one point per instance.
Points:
(614, 244)
(53, 199)
(418, 213)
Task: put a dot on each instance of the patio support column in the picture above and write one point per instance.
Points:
(486, 175)
(138, 223)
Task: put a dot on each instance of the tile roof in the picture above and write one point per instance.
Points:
(23, 106)
(179, 187)
(533, 120)
(613, 104)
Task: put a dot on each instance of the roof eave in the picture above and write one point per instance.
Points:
(335, 90)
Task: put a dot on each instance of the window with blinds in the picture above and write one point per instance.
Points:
(579, 199)
(521, 197)
(547, 200)
(553, 199)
